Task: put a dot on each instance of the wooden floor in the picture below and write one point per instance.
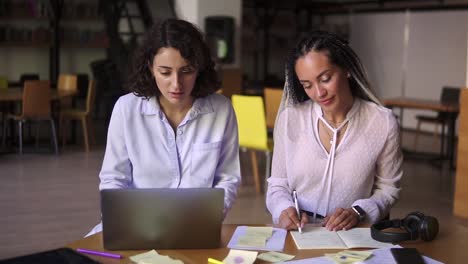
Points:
(48, 201)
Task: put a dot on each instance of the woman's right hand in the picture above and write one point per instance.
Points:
(288, 219)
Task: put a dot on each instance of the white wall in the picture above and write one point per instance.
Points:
(18, 60)
(195, 12)
(187, 10)
(437, 53)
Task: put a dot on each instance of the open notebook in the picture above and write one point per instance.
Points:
(314, 237)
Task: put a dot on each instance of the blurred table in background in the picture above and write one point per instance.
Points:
(434, 105)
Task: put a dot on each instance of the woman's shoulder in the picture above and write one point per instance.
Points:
(130, 102)
(128, 99)
(375, 109)
(377, 113)
(296, 114)
(296, 110)
(218, 102)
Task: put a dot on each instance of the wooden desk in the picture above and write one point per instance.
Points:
(423, 104)
(448, 247)
(434, 105)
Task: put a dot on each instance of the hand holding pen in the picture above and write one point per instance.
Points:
(290, 219)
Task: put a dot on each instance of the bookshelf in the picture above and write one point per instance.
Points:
(29, 24)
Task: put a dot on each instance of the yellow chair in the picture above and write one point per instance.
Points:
(253, 135)
(272, 103)
(84, 115)
(3, 83)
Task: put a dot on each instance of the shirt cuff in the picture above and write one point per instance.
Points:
(371, 209)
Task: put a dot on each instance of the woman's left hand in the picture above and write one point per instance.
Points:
(341, 219)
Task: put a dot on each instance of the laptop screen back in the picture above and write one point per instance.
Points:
(162, 218)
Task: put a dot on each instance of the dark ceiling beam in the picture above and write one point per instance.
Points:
(358, 6)
(392, 9)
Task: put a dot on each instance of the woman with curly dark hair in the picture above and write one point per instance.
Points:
(173, 130)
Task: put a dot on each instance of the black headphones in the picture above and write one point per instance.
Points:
(416, 224)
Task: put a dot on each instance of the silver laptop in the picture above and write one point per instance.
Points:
(162, 218)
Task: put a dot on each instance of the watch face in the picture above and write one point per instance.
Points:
(359, 211)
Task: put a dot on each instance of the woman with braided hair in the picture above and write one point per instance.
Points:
(335, 144)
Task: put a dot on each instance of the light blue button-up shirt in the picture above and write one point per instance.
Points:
(143, 151)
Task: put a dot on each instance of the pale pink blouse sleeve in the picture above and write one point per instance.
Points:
(388, 175)
(279, 194)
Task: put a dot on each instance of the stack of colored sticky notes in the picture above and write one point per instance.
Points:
(255, 236)
(240, 257)
(349, 256)
(274, 256)
(152, 257)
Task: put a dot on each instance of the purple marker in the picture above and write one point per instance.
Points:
(99, 253)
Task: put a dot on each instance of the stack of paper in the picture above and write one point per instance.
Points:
(258, 238)
(349, 256)
(152, 257)
(378, 256)
(255, 236)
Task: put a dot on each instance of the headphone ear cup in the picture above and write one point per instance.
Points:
(429, 228)
(411, 224)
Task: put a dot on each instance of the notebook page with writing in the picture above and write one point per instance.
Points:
(317, 237)
(361, 238)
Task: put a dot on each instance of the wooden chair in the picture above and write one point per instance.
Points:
(36, 107)
(28, 77)
(253, 135)
(231, 81)
(449, 95)
(272, 102)
(67, 82)
(84, 115)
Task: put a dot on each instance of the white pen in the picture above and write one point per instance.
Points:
(296, 204)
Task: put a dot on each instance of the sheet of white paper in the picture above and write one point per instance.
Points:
(274, 243)
(361, 238)
(313, 237)
(384, 255)
(240, 257)
(379, 256)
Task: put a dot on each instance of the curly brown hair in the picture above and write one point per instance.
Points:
(188, 40)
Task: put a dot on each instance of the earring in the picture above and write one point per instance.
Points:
(348, 75)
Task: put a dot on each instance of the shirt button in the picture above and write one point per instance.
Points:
(179, 132)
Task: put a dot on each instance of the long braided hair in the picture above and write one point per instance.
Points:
(339, 53)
